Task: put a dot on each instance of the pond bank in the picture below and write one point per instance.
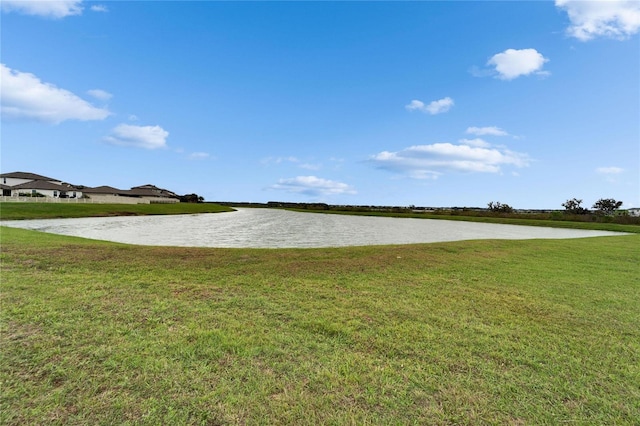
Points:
(274, 228)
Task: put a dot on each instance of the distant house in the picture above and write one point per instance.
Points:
(634, 211)
(108, 194)
(16, 178)
(48, 189)
(30, 184)
(136, 195)
(155, 194)
(24, 184)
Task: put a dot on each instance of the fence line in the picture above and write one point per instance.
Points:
(5, 198)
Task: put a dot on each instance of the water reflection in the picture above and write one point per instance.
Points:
(269, 228)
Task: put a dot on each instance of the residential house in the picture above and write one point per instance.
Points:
(30, 184)
(16, 178)
(108, 194)
(23, 184)
(146, 194)
(154, 194)
(46, 188)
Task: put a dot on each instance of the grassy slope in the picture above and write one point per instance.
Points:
(511, 332)
(14, 210)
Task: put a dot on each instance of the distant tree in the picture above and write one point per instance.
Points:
(607, 206)
(191, 198)
(572, 206)
(498, 207)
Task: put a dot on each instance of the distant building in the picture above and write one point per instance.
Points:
(24, 184)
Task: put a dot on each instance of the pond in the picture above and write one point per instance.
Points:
(270, 228)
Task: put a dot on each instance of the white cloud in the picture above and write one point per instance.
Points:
(480, 72)
(198, 155)
(513, 63)
(609, 170)
(290, 159)
(100, 94)
(99, 8)
(617, 19)
(309, 166)
(46, 8)
(434, 107)
(313, 186)
(477, 142)
(415, 105)
(482, 131)
(25, 96)
(148, 137)
(279, 160)
(610, 173)
(430, 161)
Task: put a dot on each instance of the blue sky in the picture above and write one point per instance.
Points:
(427, 103)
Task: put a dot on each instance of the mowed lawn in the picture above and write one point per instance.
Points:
(475, 332)
(44, 210)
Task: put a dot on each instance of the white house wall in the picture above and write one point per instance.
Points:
(46, 192)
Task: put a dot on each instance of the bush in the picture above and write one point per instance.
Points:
(498, 207)
(572, 206)
(606, 206)
(191, 198)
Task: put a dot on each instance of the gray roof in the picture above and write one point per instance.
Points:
(104, 189)
(26, 175)
(145, 192)
(43, 184)
(153, 191)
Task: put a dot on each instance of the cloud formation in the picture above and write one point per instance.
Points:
(198, 156)
(55, 9)
(100, 94)
(617, 19)
(482, 131)
(147, 137)
(434, 107)
(477, 142)
(609, 170)
(313, 186)
(513, 63)
(99, 8)
(291, 159)
(431, 161)
(610, 174)
(26, 97)
(310, 166)
(278, 160)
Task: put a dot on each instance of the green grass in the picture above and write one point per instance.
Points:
(475, 332)
(16, 210)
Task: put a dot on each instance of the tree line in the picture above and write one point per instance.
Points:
(604, 206)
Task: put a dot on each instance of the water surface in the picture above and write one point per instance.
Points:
(270, 228)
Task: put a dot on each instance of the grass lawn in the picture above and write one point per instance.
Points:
(474, 332)
(18, 210)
